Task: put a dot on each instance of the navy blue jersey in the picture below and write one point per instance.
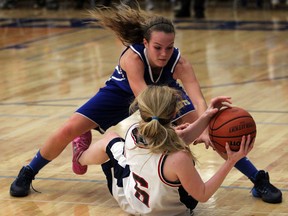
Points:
(119, 76)
(111, 104)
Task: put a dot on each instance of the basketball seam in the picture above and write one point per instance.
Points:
(213, 129)
(232, 136)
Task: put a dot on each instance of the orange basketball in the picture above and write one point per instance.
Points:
(229, 125)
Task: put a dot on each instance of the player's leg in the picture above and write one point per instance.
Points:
(262, 187)
(199, 9)
(108, 107)
(96, 153)
(55, 144)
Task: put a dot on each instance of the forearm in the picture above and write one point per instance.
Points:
(195, 129)
(213, 184)
(200, 107)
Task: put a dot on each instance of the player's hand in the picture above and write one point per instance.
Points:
(204, 138)
(181, 127)
(181, 132)
(217, 103)
(245, 147)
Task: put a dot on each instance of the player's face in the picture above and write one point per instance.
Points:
(160, 48)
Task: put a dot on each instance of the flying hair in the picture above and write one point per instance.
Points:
(130, 24)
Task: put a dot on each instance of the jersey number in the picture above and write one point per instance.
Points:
(140, 194)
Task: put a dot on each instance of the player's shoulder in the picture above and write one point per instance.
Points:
(183, 61)
(177, 162)
(129, 58)
(180, 157)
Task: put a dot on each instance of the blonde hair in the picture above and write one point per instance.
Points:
(158, 105)
(131, 25)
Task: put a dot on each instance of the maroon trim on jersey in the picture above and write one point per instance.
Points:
(160, 172)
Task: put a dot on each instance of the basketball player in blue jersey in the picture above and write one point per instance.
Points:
(149, 59)
(150, 171)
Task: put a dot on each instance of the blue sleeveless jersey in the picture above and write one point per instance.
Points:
(111, 104)
(119, 76)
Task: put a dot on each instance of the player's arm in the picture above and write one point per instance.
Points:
(182, 166)
(134, 67)
(189, 132)
(185, 73)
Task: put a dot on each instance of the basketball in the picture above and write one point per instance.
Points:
(229, 125)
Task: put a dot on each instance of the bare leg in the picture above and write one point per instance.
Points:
(96, 153)
(75, 126)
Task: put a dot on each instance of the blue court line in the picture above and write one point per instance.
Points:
(23, 116)
(48, 23)
(268, 111)
(37, 104)
(104, 182)
(24, 44)
(272, 123)
(60, 179)
(69, 46)
(53, 100)
(10, 116)
(73, 45)
(46, 102)
(184, 24)
(232, 25)
(245, 82)
(248, 188)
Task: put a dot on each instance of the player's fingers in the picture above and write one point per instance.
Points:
(243, 143)
(228, 150)
(248, 141)
(195, 142)
(210, 143)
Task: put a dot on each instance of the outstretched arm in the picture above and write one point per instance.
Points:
(185, 73)
(189, 132)
(191, 180)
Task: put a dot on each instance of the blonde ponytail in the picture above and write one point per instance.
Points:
(158, 105)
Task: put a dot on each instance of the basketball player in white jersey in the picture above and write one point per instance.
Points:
(152, 171)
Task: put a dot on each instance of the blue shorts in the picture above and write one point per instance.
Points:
(111, 106)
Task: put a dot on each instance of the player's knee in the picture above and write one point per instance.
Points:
(111, 135)
(67, 132)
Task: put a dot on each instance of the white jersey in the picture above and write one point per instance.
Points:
(145, 191)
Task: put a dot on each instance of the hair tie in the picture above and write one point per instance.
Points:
(155, 118)
(160, 120)
(157, 23)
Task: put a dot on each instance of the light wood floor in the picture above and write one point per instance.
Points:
(47, 72)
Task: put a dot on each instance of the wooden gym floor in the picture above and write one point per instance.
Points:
(51, 63)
